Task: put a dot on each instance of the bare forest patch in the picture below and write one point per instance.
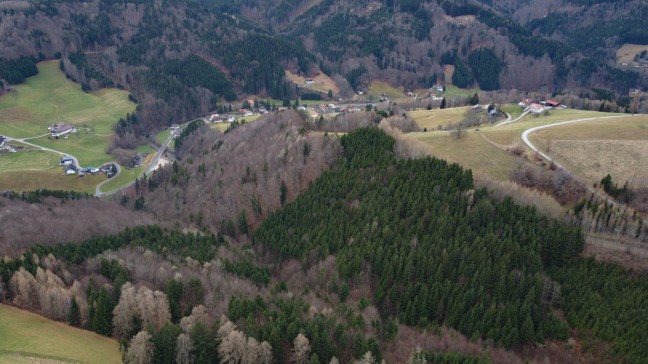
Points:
(460, 20)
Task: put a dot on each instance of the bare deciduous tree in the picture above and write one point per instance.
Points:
(184, 347)
(265, 353)
(140, 350)
(232, 347)
(125, 310)
(301, 349)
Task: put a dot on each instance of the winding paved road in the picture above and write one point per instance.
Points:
(525, 134)
(508, 120)
(98, 191)
(525, 138)
(24, 141)
(148, 170)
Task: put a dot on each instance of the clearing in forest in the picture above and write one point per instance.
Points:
(628, 51)
(321, 82)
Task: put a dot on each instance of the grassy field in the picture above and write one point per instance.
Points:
(470, 151)
(321, 82)
(593, 149)
(627, 52)
(512, 109)
(510, 134)
(606, 144)
(126, 176)
(162, 136)
(454, 91)
(26, 337)
(378, 88)
(54, 179)
(90, 149)
(49, 98)
(29, 160)
(431, 119)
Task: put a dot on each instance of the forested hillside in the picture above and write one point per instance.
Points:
(230, 182)
(536, 45)
(373, 246)
(177, 59)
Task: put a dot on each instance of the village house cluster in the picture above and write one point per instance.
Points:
(537, 107)
(71, 168)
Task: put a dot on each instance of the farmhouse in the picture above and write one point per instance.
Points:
(552, 103)
(62, 129)
(215, 118)
(2, 140)
(525, 103)
(536, 108)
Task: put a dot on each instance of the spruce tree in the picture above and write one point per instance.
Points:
(74, 315)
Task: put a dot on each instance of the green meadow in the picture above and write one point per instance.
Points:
(29, 338)
(50, 98)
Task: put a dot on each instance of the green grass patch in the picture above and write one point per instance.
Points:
(49, 98)
(470, 151)
(53, 179)
(513, 110)
(379, 88)
(162, 136)
(24, 334)
(89, 148)
(126, 176)
(454, 91)
(28, 160)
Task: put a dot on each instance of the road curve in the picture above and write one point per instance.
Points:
(98, 188)
(161, 151)
(148, 170)
(525, 134)
(508, 120)
(525, 138)
(23, 141)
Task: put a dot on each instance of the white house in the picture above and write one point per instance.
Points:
(59, 130)
(536, 108)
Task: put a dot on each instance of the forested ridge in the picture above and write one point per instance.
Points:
(388, 217)
(177, 59)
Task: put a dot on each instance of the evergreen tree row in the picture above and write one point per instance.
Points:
(15, 71)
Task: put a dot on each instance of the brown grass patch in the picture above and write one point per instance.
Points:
(16, 114)
(627, 52)
(624, 128)
(322, 82)
(448, 71)
(593, 159)
(470, 151)
(432, 119)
